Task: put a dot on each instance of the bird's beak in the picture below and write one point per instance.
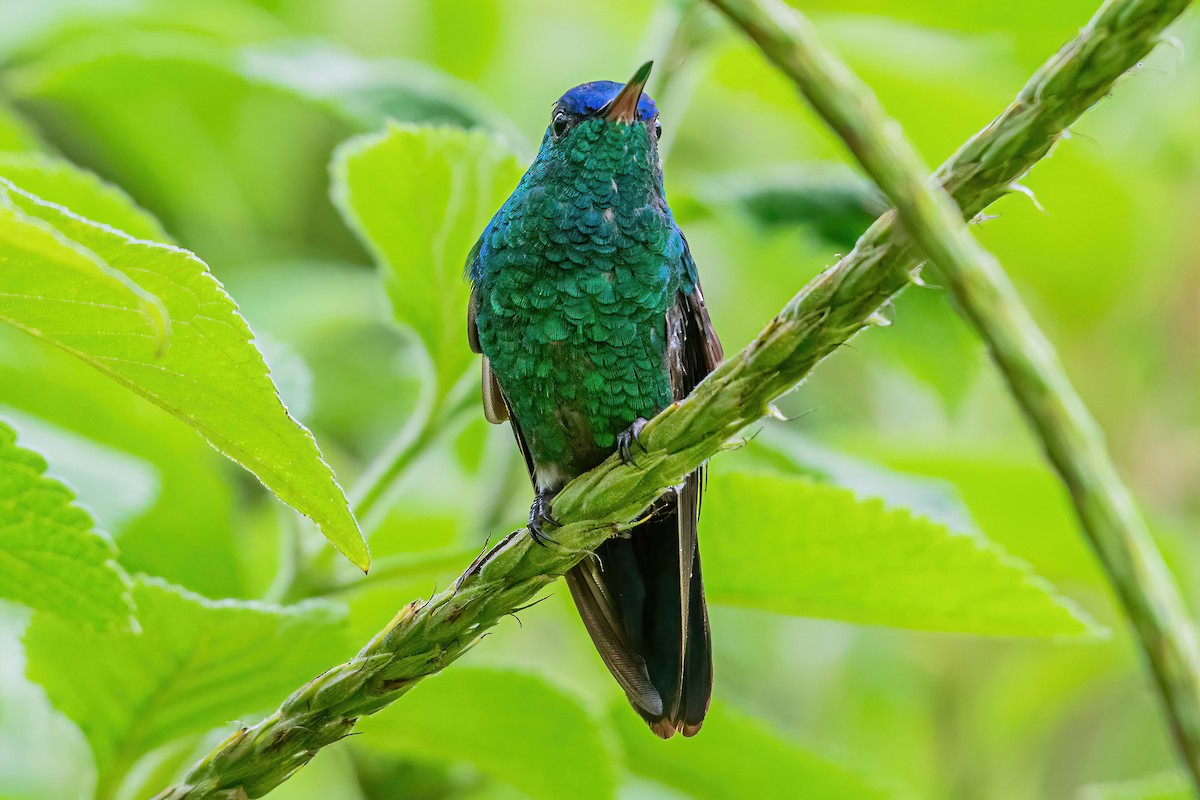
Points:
(624, 107)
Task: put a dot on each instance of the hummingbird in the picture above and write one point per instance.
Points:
(586, 306)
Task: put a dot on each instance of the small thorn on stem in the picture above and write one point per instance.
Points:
(1025, 190)
(879, 320)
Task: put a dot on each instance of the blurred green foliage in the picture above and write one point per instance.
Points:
(192, 664)
(902, 492)
(54, 558)
(445, 188)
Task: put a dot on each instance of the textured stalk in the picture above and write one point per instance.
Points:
(987, 298)
(426, 636)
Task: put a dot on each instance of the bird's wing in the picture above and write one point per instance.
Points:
(495, 404)
(701, 349)
(495, 407)
(642, 599)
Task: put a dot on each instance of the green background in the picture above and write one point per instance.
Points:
(906, 665)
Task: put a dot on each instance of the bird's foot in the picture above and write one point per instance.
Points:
(628, 438)
(539, 516)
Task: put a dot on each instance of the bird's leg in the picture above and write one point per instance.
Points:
(540, 515)
(628, 438)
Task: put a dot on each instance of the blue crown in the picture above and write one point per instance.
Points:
(588, 98)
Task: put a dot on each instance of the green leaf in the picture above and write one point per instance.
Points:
(196, 664)
(194, 499)
(732, 754)
(51, 556)
(512, 726)
(835, 205)
(115, 487)
(783, 449)
(153, 318)
(1012, 494)
(419, 197)
(63, 183)
(212, 162)
(257, 123)
(369, 92)
(793, 546)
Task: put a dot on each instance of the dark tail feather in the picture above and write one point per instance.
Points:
(697, 665)
(642, 602)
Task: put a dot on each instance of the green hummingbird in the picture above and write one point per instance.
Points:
(587, 308)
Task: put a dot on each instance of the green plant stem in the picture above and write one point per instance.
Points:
(694, 29)
(400, 567)
(987, 298)
(309, 575)
(308, 572)
(424, 637)
(417, 434)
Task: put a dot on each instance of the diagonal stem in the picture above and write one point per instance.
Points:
(426, 636)
(987, 298)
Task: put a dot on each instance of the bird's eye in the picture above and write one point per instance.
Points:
(559, 125)
(657, 129)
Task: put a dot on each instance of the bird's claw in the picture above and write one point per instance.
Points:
(539, 516)
(628, 438)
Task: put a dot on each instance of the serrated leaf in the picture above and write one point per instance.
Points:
(512, 726)
(793, 546)
(63, 183)
(419, 197)
(51, 556)
(196, 664)
(1012, 494)
(934, 499)
(366, 386)
(194, 499)
(735, 757)
(154, 319)
(114, 487)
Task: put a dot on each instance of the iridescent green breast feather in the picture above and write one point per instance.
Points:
(573, 280)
